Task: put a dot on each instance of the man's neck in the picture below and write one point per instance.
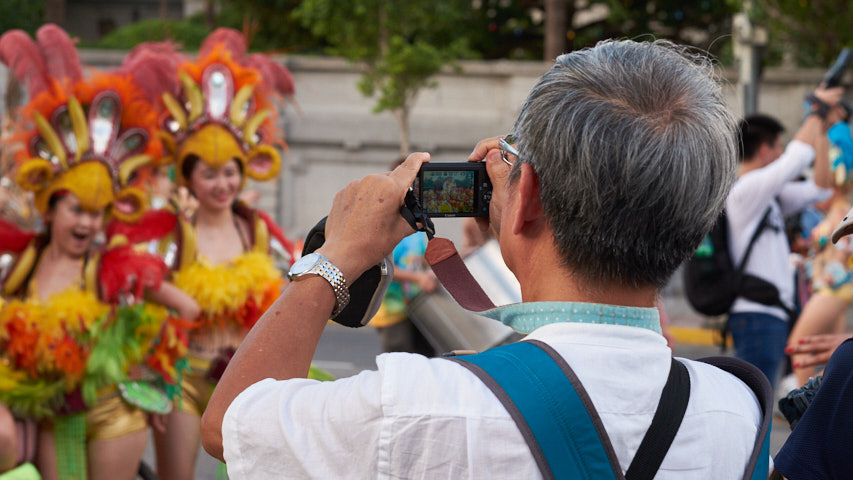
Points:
(747, 166)
(544, 279)
(564, 287)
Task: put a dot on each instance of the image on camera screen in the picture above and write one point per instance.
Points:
(448, 191)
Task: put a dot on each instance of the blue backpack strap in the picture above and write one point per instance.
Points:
(567, 439)
(759, 462)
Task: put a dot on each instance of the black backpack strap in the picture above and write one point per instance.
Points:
(665, 424)
(758, 465)
(761, 226)
(778, 303)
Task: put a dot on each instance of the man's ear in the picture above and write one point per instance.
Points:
(527, 195)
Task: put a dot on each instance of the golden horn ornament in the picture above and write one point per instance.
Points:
(238, 113)
(253, 124)
(127, 167)
(80, 126)
(48, 134)
(193, 94)
(176, 110)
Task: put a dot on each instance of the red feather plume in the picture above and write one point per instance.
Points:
(59, 53)
(124, 271)
(152, 67)
(233, 40)
(12, 238)
(154, 225)
(276, 76)
(21, 54)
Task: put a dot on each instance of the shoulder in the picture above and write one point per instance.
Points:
(266, 236)
(841, 360)
(714, 389)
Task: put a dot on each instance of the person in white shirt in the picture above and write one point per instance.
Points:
(767, 180)
(593, 215)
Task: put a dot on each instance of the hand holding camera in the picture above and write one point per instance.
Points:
(365, 224)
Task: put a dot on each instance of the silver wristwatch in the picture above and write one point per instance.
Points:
(316, 264)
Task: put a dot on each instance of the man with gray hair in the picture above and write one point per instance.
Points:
(624, 154)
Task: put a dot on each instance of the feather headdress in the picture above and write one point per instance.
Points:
(89, 137)
(224, 108)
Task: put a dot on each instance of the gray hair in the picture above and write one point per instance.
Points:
(635, 152)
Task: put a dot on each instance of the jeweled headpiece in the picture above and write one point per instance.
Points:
(88, 137)
(224, 108)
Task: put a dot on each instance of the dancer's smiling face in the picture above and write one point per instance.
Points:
(73, 228)
(215, 188)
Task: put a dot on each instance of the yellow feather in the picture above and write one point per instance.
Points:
(248, 275)
(193, 94)
(176, 110)
(48, 134)
(80, 126)
(253, 124)
(238, 114)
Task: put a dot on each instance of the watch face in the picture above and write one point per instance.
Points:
(303, 264)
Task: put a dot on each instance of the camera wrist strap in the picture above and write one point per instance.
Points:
(445, 261)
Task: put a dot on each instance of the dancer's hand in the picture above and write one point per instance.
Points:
(818, 348)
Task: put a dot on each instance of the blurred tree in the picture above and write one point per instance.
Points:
(545, 28)
(270, 25)
(54, 12)
(188, 33)
(704, 23)
(556, 16)
(807, 33)
(28, 15)
(401, 44)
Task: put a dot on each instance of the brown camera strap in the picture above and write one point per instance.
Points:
(451, 271)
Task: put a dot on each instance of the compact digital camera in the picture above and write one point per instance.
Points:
(454, 189)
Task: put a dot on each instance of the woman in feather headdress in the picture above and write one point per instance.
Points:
(219, 131)
(72, 324)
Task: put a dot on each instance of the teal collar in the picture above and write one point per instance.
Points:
(527, 317)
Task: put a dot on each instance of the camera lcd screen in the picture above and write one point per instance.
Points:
(458, 189)
(448, 192)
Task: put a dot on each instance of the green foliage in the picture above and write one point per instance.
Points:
(811, 32)
(705, 23)
(24, 14)
(402, 44)
(189, 33)
(271, 24)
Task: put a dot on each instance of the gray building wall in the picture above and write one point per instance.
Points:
(334, 137)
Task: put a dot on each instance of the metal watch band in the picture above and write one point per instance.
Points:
(327, 270)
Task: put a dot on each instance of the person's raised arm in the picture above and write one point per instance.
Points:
(363, 227)
(814, 131)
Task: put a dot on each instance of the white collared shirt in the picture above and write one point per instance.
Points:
(432, 418)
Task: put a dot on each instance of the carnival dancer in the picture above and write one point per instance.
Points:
(73, 327)
(220, 130)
